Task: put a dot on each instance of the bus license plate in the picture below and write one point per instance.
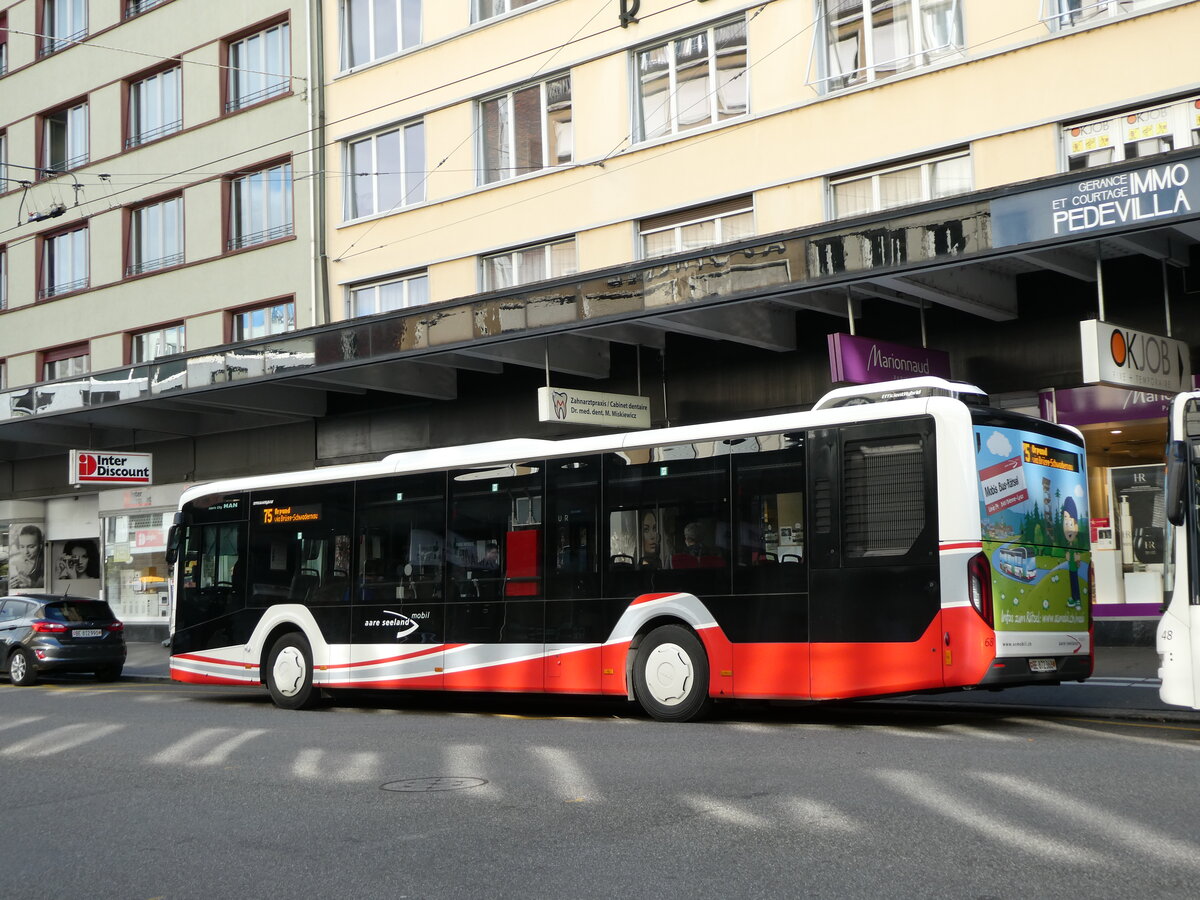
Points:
(87, 632)
(1042, 665)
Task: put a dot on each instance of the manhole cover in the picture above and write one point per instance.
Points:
(433, 783)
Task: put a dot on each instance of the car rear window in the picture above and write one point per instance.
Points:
(78, 611)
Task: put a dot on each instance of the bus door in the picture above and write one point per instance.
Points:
(1179, 629)
(398, 619)
(495, 607)
(300, 554)
(874, 604)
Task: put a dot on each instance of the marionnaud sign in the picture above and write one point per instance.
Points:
(1098, 202)
(97, 467)
(592, 408)
(1128, 358)
(865, 360)
(1096, 403)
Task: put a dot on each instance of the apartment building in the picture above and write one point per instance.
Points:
(156, 198)
(721, 206)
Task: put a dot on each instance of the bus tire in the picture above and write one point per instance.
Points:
(670, 675)
(289, 673)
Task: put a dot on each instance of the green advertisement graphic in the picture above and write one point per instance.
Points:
(1033, 505)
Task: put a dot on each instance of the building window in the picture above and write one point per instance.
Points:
(385, 296)
(489, 9)
(901, 185)
(137, 7)
(692, 81)
(65, 138)
(3, 278)
(1069, 13)
(66, 362)
(373, 29)
(3, 376)
(64, 263)
(155, 107)
(4, 181)
(150, 345)
(529, 264)
(264, 321)
(260, 206)
(1132, 135)
(259, 67)
(64, 22)
(526, 130)
(702, 226)
(3, 49)
(387, 171)
(870, 39)
(155, 236)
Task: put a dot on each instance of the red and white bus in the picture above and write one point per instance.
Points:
(847, 551)
(1178, 636)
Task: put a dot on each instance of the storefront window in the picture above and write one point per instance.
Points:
(136, 574)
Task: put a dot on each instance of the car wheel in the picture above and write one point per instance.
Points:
(21, 668)
(670, 675)
(290, 673)
(108, 673)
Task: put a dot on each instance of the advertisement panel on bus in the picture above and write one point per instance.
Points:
(1033, 505)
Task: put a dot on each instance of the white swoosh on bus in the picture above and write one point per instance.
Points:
(411, 626)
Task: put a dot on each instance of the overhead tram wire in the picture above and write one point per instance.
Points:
(471, 136)
(381, 106)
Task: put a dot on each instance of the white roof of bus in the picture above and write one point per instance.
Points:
(519, 450)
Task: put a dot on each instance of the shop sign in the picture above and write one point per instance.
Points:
(1124, 357)
(866, 361)
(95, 467)
(150, 539)
(1137, 197)
(592, 408)
(1095, 403)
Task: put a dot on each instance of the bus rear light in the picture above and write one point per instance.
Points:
(979, 586)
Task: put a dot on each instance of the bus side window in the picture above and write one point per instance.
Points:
(772, 553)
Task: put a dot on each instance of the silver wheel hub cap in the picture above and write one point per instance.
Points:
(17, 667)
(288, 671)
(669, 674)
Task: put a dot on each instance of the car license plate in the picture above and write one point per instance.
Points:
(87, 632)
(1042, 665)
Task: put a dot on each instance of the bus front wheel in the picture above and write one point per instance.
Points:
(670, 675)
(290, 673)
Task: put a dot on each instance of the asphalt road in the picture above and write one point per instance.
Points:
(144, 790)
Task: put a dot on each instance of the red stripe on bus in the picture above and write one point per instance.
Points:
(417, 654)
(967, 545)
(202, 678)
(649, 598)
(211, 659)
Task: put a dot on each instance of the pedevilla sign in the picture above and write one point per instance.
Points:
(1135, 197)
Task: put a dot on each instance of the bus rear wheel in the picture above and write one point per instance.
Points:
(670, 675)
(290, 673)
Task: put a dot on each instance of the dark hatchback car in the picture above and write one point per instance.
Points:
(44, 633)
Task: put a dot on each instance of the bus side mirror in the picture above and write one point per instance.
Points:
(1178, 475)
(172, 545)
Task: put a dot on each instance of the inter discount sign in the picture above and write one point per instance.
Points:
(94, 467)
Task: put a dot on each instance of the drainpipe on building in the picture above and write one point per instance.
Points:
(316, 151)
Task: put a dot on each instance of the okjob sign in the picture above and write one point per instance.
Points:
(97, 467)
(1128, 358)
(1098, 202)
(593, 408)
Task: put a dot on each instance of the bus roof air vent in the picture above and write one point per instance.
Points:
(902, 389)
